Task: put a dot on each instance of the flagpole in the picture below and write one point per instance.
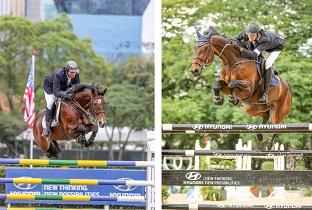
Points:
(33, 55)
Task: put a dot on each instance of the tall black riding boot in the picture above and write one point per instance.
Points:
(267, 80)
(48, 120)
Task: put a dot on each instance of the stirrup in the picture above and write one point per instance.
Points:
(263, 98)
(46, 132)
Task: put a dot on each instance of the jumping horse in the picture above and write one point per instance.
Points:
(78, 116)
(240, 79)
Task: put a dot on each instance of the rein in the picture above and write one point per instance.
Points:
(85, 112)
(204, 62)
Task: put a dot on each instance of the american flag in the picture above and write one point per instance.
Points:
(29, 95)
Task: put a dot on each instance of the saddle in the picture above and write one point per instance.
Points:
(260, 63)
(55, 115)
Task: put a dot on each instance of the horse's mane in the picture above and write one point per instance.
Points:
(207, 35)
(80, 87)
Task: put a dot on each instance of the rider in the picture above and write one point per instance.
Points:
(55, 86)
(258, 41)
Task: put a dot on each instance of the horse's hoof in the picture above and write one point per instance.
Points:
(87, 144)
(234, 101)
(270, 145)
(49, 155)
(259, 137)
(58, 156)
(218, 100)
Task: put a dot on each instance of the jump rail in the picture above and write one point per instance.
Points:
(216, 153)
(76, 181)
(72, 197)
(81, 163)
(45, 208)
(233, 206)
(236, 178)
(228, 128)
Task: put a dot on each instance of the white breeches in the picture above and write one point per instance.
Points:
(50, 99)
(271, 59)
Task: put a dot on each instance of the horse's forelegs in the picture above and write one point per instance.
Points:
(90, 141)
(218, 99)
(81, 129)
(232, 98)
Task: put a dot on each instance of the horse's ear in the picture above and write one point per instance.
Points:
(104, 91)
(208, 36)
(198, 33)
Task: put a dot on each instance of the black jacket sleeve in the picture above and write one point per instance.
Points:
(57, 86)
(249, 54)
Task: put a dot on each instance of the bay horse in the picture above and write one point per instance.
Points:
(240, 80)
(78, 116)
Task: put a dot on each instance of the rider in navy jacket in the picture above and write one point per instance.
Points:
(55, 86)
(258, 41)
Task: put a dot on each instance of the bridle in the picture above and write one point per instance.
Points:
(203, 63)
(91, 113)
(94, 101)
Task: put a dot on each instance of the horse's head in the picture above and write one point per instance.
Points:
(92, 98)
(98, 105)
(204, 51)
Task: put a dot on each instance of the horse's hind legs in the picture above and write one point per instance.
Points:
(232, 98)
(218, 99)
(56, 146)
(52, 151)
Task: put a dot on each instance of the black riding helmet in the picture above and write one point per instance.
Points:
(72, 66)
(252, 28)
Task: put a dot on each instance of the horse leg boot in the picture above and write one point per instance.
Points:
(48, 120)
(232, 98)
(90, 141)
(81, 129)
(218, 100)
(51, 152)
(267, 79)
(57, 146)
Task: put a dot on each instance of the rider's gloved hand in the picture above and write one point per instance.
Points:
(67, 96)
(236, 45)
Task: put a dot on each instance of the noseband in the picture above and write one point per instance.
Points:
(202, 62)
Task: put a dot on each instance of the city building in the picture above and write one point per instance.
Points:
(118, 28)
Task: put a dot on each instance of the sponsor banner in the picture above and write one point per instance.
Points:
(64, 189)
(236, 178)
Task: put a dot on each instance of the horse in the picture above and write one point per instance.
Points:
(78, 116)
(240, 79)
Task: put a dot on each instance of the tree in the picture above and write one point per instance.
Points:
(131, 98)
(55, 43)
(128, 106)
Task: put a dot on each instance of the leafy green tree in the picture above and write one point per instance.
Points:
(55, 43)
(131, 98)
(128, 106)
